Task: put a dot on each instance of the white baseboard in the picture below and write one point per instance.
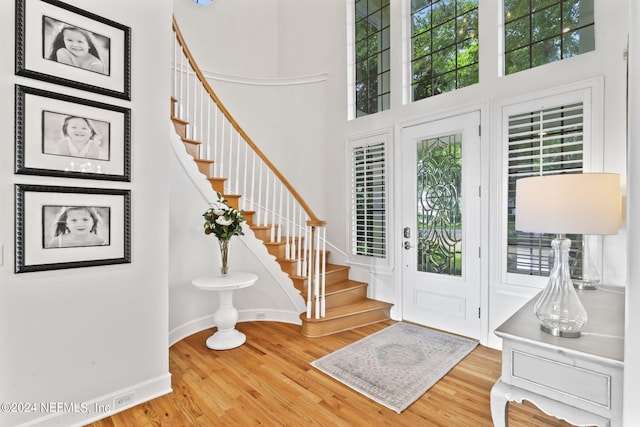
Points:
(181, 332)
(283, 316)
(83, 413)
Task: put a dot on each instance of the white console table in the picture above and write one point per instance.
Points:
(226, 316)
(578, 380)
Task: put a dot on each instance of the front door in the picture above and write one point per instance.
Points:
(441, 224)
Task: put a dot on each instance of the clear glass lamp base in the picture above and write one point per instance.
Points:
(559, 308)
(557, 332)
(589, 277)
(586, 285)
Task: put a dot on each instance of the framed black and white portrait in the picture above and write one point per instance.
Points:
(60, 135)
(81, 226)
(70, 227)
(63, 44)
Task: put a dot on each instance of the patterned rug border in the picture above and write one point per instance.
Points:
(396, 397)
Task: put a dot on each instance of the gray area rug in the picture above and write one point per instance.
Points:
(397, 365)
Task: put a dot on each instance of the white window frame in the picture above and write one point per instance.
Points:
(351, 62)
(590, 93)
(502, 43)
(375, 264)
(407, 52)
(351, 59)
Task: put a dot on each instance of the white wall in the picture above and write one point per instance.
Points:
(632, 337)
(86, 335)
(237, 46)
(236, 38)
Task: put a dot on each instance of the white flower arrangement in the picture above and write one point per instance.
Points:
(222, 220)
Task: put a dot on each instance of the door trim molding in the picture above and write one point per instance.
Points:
(483, 109)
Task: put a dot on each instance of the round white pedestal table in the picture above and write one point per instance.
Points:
(226, 316)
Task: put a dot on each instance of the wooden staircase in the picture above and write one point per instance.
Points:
(347, 305)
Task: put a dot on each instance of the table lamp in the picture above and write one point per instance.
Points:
(581, 203)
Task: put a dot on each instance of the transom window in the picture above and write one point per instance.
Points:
(538, 32)
(372, 56)
(444, 41)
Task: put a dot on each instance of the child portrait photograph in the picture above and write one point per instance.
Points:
(75, 226)
(67, 45)
(68, 227)
(74, 46)
(75, 136)
(60, 135)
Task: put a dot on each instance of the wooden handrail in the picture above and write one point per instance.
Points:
(236, 126)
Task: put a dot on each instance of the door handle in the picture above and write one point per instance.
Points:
(407, 245)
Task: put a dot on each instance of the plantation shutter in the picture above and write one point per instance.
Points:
(368, 198)
(543, 142)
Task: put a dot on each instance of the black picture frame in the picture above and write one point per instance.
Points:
(45, 145)
(70, 227)
(100, 62)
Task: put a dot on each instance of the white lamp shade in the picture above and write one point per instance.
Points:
(582, 203)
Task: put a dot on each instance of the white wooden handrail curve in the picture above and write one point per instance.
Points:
(245, 170)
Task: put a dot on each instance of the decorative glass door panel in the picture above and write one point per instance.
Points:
(439, 215)
(441, 224)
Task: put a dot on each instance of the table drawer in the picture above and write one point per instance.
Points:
(577, 382)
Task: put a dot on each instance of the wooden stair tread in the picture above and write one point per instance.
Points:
(283, 243)
(191, 141)
(349, 310)
(205, 161)
(179, 120)
(339, 288)
(217, 183)
(265, 227)
(260, 227)
(330, 268)
(274, 243)
(344, 286)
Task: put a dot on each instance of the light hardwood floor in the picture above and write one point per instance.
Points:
(268, 381)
